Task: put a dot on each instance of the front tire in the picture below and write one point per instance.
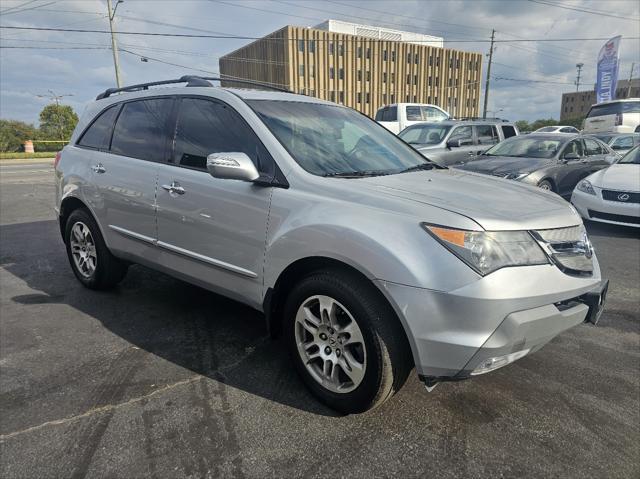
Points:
(346, 341)
(546, 185)
(90, 259)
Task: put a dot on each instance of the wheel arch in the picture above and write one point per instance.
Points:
(67, 206)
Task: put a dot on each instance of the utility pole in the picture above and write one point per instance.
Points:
(486, 84)
(114, 45)
(630, 78)
(579, 67)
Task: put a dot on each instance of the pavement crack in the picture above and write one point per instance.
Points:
(99, 410)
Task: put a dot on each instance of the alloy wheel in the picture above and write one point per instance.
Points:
(83, 249)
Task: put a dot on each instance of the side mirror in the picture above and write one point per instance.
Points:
(232, 166)
(453, 143)
(570, 157)
(617, 147)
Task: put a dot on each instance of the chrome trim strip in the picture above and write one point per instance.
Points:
(133, 234)
(207, 259)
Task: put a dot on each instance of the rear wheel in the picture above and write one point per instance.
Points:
(346, 341)
(545, 185)
(90, 259)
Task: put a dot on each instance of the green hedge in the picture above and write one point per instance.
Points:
(14, 155)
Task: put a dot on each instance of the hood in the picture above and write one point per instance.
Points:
(625, 177)
(504, 165)
(493, 203)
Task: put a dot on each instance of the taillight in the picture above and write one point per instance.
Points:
(618, 119)
(57, 160)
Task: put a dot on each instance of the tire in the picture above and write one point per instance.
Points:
(381, 345)
(94, 266)
(546, 185)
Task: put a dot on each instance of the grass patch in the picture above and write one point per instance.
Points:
(19, 155)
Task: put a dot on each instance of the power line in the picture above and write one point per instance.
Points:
(27, 9)
(584, 10)
(17, 6)
(243, 37)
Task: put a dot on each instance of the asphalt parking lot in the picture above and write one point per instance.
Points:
(162, 379)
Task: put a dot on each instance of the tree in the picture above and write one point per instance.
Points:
(523, 125)
(14, 133)
(541, 123)
(57, 122)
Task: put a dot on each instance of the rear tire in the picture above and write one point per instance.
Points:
(338, 318)
(546, 185)
(90, 259)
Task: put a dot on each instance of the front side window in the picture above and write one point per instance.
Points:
(330, 140)
(98, 135)
(206, 127)
(464, 133)
(414, 113)
(573, 148)
(592, 147)
(143, 129)
(424, 134)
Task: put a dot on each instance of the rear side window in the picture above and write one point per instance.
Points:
(391, 114)
(592, 147)
(142, 130)
(98, 135)
(379, 114)
(508, 131)
(432, 114)
(568, 129)
(206, 127)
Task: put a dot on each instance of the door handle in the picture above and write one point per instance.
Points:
(174, 188)
(98, 168)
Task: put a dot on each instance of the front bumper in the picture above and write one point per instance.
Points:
(595, 208)
(510, 310)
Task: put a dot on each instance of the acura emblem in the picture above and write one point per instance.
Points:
(623, 196)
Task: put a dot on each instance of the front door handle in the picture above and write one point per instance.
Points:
(174, 189)
(99, 168)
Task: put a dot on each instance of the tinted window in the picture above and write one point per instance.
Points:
(206, 127)
(508, 131)
(487, 134)
(392, 114)
(98, 135)
(379, 114)
(574, 147)
(142, 129)
(425, 133)
(414, 113)
(592, 147)
(614, 108)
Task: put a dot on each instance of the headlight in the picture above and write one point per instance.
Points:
(586, 187)
(516, 176)
(487, 251)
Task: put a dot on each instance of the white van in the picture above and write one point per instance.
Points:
(616, 116)
(398, 116)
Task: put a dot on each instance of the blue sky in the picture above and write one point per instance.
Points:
(80, 64)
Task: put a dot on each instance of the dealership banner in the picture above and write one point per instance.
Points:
(607, 70)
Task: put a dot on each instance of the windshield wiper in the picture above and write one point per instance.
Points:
(354, 174)
(422, 166)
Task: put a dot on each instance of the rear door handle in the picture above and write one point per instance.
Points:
(99, 168)
(174, 189)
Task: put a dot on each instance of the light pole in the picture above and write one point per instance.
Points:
(114, 45)
(495, 111)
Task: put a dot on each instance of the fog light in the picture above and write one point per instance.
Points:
(492, 364)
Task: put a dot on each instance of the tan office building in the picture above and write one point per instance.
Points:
(577, 104)
(363, 67)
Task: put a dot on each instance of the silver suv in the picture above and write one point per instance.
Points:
(369, 259)
(454, 142)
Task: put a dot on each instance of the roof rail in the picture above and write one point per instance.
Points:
(190, 80)
(481, 118)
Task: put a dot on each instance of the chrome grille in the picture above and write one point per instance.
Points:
(569, 249)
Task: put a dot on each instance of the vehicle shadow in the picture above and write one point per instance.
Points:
(193, 328)
(610, 230)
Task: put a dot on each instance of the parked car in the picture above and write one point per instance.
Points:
(368, 258)
(612, 195)
(616, 116)
(547, 160)
(619, 142)
(557, 129)
(453, 142)
(398, 116)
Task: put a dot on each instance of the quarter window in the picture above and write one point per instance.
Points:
(142, 129)
(98, 135)
(206, 127)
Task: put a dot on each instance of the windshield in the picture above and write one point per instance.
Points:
(425, 134)
(632, 157)
(614, 108)
(526, 147)
(329, 140)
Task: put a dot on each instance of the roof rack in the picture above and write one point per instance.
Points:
(481, 118)
(190, 80)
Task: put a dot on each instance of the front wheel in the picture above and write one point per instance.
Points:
(346, 341)
(545, 185)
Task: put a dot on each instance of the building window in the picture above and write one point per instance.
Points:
(333, 96)
(437, 82)
(384, 98)
(341, 49)
(393, 55)
(430, 81)
(384, 55)
(408, 98)
(359, 97)
(437, 61)
(468, 103)
(393, 98)
(368, 75)
(300, 45)
(415, 79)
(331, 73)
(341, 73)
(312, 46)
(408, 79)
(435, 100)
(368, 54)
(429, 99)
(368, 97)
(430, 60)
(416, 59)
(312, 71)
(450, 82)
(330, 48)
(409, 57)
(301, 70)
(341, 97)
(393, 77)
(359, 54)
(450, 62)
(312, 93)
(359, 75)
(384, 77)
(457, 63)
(415, 99)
